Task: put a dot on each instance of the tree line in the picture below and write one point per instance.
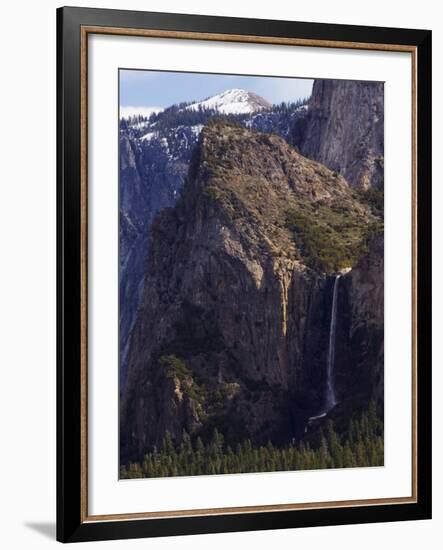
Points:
(361, 446)
(179, 115)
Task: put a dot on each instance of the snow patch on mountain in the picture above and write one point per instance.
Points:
(196, 129)
(232, 102)
(129, 111)
(149, 136)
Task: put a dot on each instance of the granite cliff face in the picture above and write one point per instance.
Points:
(233, 324)
(344, 129)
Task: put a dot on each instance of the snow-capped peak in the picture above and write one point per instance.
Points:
(233, 101)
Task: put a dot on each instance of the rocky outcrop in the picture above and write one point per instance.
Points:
(233, 325)
(344, 129)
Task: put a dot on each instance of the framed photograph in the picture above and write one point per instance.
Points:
(244, 282)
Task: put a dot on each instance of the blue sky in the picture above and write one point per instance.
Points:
(150, 89)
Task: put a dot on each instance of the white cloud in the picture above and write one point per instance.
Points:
(129, 110)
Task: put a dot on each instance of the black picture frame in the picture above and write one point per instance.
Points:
(72, 526)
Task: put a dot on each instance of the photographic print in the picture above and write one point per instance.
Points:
(243, 283)
(251, 274)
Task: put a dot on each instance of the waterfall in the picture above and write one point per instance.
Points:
(330, 400)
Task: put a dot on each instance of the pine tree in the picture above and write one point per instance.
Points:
(323, 455)
(361, 458)
(352, 432)
(167, 444)
(348, 457)
(147, 466)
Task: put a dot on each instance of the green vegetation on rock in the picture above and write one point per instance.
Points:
(330, 238)
(373, 197)
(175, 367)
